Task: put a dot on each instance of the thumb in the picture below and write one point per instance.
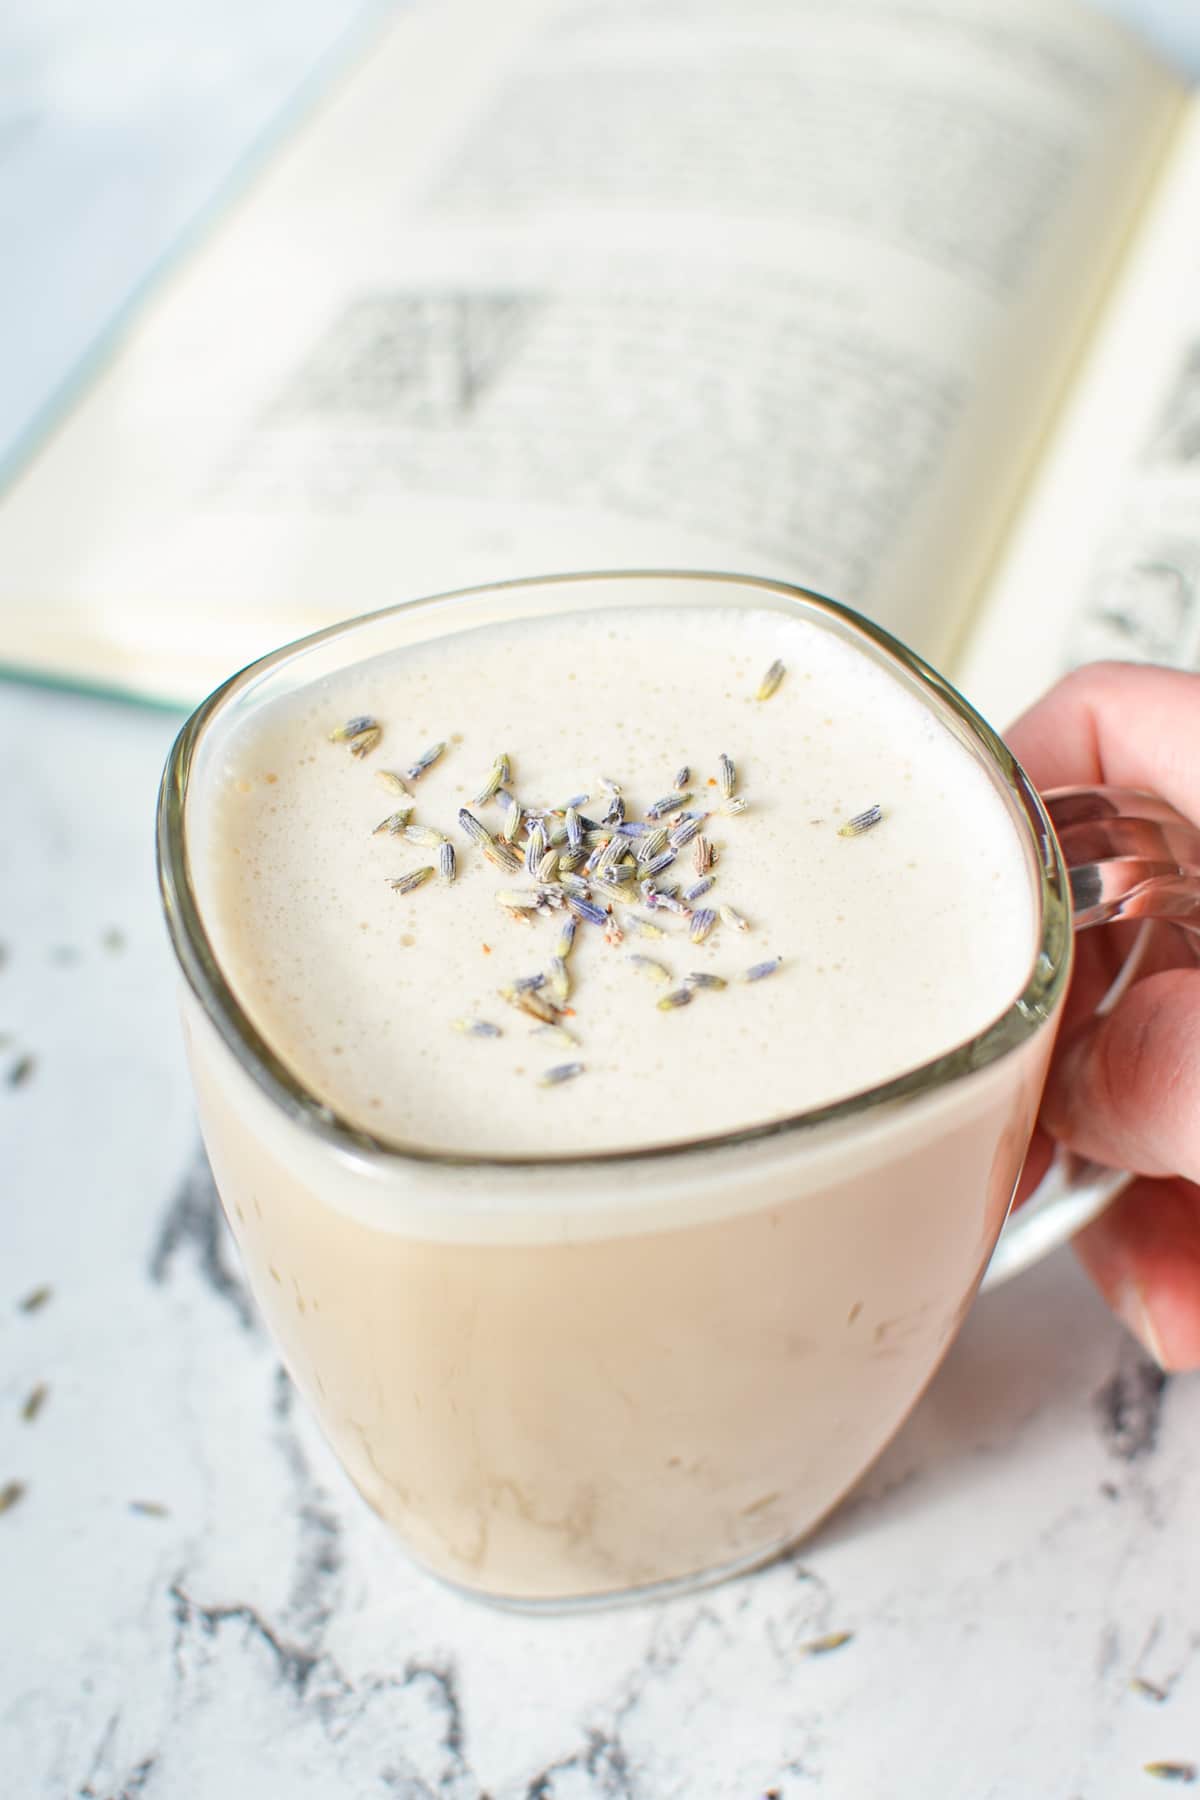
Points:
(1125, 1090)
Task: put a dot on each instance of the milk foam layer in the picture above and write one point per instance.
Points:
(896, 945)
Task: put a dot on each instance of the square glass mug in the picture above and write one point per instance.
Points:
(563, 1378)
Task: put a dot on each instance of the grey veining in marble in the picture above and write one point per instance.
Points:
(196, 1605)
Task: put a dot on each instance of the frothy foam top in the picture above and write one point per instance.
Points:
(896, 944)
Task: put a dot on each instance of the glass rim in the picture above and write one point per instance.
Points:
(1026, 1014)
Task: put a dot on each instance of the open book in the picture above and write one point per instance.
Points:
(896, 299)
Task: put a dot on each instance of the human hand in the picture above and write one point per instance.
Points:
(1125, 1089)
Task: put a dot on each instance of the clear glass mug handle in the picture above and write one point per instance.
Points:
(1130, 856)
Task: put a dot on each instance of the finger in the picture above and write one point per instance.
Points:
(1125, 1089)
(1144, 1256)
(1164, 948)
(1118, 724)
(1101, 956)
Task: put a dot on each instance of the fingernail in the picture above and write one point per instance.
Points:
(1132, 1310)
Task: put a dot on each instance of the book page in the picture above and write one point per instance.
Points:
(118, 123)
(1106, 562)
(778, 286)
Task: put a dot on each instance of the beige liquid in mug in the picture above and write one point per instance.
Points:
(569, 1380)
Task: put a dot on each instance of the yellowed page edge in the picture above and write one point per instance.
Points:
(1105, 561)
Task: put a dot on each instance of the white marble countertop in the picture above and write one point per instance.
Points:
(194, 1603)
(197, 1605)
